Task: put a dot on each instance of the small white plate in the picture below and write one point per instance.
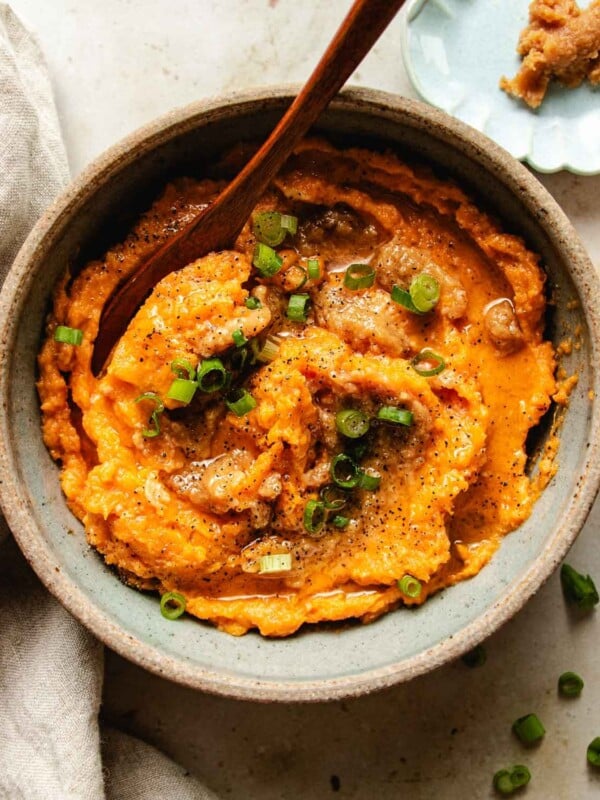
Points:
(455, 53)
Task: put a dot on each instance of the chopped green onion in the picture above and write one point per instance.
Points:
(410, 586)
(503, 783)
(400, 416)
(520, 776)
(289, 223)
(313, 268)
(593, 752)
(159, 407)
(359, 276)
(298, 307)
(279, 562)
(528, 729)
(424, 292)
(266, 260)
(266, 226)
(428, 363)
(340, 521)
(578, 589)
(239, 358)
(475, 657)
(314, 516)
(172, 605)
(252, 303)
(352, 423)
(570, 684)
(183, 368)
(212, 375)
(369, 482)
(238, 337)
(182, 390)
(334, 498)
(302, 278)
(344, 472)
(269, 350)
(62, 333)
(403, 298)
(240, 402)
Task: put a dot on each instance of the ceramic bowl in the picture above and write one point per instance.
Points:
(329, 661)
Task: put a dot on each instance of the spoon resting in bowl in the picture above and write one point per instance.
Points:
(218, 226)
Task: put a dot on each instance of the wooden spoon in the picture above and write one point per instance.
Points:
(218, 226)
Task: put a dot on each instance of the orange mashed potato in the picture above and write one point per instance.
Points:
(196, 508)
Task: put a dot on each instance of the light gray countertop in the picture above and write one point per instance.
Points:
(115, 65)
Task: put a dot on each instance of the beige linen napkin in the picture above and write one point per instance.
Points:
(51, 746)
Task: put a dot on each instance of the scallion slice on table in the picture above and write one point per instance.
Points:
(508, 781)
(252, 303)
(298, 307)
(410, 586)
(182, 390)
(172, 605)
(314, 516)
(352, 423)
(475, 657)
(62, 333)
(277, 562)
(359, 276)
(159, 407)
(528, 729)
(593, 752)
(266, 260)
(271, 227)
(520, 776)
(211, 375)
(428, 363)
(240, 401)
(570, 684)
(578, 589)
(399, 416)
(238, 337)
(345, 473)
(313, 268)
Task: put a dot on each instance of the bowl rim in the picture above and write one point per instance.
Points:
(496, 161)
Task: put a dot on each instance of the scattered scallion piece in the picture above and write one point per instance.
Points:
(211, 375)
(172, 605)
(267, 227)
(252, 303)
(295, 278)
(159, 407)
(344, 472)
(238, 337)
(313, 267)
(593, 752)
(340, 521)
(424, 292)
(475, 657)
(359, 276)
(62, 333)
(182, 390)
(570, 684)
(399, 416)
(502, 782)
(314, 516)
(369, 482)
(182, 368)
(403, 298)
(333, 498)
(298, 307)
(410, 586)
(266, 260)
(578, 589)
(289, 223)
(240, 401)
(352, 423)
(528, 729)
(428, 363)
(269, 350)
(239, 358)
(520, 776)
(277, 562)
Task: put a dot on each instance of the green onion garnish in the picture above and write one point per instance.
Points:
(359, 276)
(314, 516)
(593, 752)
(570, 684)
(302, 278)
(578, 589)
(475, 657)
(252, 303)
(159, 407)
(211, 375)
(410, 586)
(334, 498)
(400, 416)
(266, 260)
(289, 223)
(266, 226)
(403, 298)
(269, 350)
(506, 782)
(62, 333)
(528, 729)
(428, 363)
(172, 605)
(238, 337)
(352, 423)
(240, 402)
(344, 472)
(183, 368)
(424, 292)
(298, 307)
(279, 562)
(182, 390)
(520, 776)
(313, 268)
(340, 521)
(369, 482)
(503, 783)
(239, 358)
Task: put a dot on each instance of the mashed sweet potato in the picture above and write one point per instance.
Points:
(196, 508)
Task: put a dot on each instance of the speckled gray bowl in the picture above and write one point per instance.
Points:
(315, 664)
